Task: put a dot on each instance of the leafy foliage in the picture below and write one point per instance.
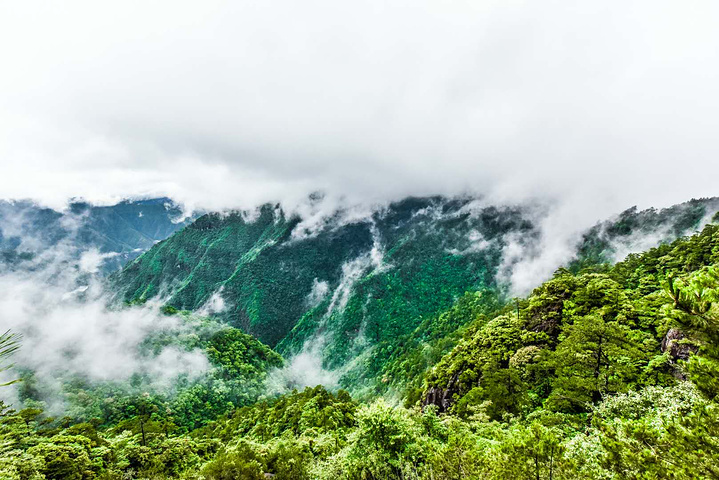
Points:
(608, 372)
(369, 283)
(9, 343)
(239, 365)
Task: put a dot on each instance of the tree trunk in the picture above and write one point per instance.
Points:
(596, 396)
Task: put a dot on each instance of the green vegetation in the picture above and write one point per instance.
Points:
(603, 371)
(579, 337)
(383, 277)
(378, 285)
(236, 376)
(8, 345)
(632, 228)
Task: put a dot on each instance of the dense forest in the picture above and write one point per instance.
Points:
(606, 370)
(378, 240)
(378, 283)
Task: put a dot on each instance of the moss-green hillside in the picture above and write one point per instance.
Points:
(607, 373)
(370, 290)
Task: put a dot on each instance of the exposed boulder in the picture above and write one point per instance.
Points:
(677, 345)
(442, 397)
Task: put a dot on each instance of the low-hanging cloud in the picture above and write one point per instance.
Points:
(56, 302)
(230, 104)
(64, 333)
(305, 369)
(580, 110)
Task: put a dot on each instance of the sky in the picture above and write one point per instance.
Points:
(598, 105)
(588, 107)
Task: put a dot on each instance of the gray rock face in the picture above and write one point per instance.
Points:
(679, 347)
(677, 344)
(442, 397)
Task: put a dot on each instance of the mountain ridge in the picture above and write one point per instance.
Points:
(119, 232)
(363, 286)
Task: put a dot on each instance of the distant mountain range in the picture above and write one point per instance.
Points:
(362, 292)
(121, 232)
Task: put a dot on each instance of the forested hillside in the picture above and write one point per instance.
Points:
(609, 371)
(384, 240)
(357, 285)
(369, 293)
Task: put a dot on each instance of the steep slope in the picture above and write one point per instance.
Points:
(576, 338)
(230, 370)
(609, 374)
(120, 231)
(362, 282)
(371, 290)
(602, 245)
(636, 231)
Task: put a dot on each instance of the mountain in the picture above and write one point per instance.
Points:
(366, 294)
(348, 286)
(634, 231)
(607, 372)
(578, 336)
(119, 232)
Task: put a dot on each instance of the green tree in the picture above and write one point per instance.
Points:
(9, 343)
(696, 310)
(595, 357)
(659, 433)
(241, 462)
(531, 452)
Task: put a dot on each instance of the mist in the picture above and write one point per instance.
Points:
(573, 112)
(56, 301)
(232, 104)
(582, 110)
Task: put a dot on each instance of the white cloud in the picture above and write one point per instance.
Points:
(67, 327)
(477, 243)
(91, 260)
(588, 108)
(214, 305)
(234, 103)
(320, 289)
(303, 370)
